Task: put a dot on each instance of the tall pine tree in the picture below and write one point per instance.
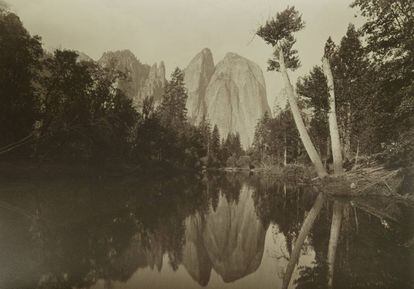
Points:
(172, 110)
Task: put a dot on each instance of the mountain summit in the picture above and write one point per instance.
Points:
(197, 76)
(141, 79)
(233, 97)
(231, 94)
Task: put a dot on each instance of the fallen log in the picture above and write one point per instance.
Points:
(373, 181)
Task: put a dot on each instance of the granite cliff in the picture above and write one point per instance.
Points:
(197, 76)
(141, 80)
(231, 96)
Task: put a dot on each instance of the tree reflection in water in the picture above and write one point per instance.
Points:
(304, 231)
(72, 232)
(357, 243)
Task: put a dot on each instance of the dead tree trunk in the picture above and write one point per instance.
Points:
(333, 123)
(348, 131)
(303, 133)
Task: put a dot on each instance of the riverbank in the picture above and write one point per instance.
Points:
(364, 181)
(32, 169)
(370, 179)
(378, 181)
(294, 172)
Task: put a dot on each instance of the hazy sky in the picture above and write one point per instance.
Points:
(175, 30)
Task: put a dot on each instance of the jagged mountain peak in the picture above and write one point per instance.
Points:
(124, 52)
(231, 94)
(142, 80)
(197, 75)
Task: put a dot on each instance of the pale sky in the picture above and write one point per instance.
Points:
(176, 30)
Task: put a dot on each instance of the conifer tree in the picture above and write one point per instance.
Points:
(172, 110)
(215, 142)
(20, 60)
(278, 32)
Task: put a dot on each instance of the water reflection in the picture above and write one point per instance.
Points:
(216, 231)
(358, 250)
(304, 231)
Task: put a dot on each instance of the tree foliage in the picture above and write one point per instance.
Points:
(20, 62)
(275, 136)
(83, 115)
(389, 30)
(373, 82)
(74, 110)
(172, 110)
(278, 32)
(163, 134)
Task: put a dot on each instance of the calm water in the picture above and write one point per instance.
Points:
(221, 231)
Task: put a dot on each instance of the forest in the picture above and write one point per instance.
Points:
(58, 108)
(371, 71)
(356, 105)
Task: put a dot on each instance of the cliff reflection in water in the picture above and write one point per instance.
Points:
(217, 231)
(229, 239)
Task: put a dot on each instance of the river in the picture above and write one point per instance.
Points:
(212, 231)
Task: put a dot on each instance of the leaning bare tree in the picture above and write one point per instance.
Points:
(278, 32)
(337, 159)
(332, 120)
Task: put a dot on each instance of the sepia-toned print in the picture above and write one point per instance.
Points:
(180, 144)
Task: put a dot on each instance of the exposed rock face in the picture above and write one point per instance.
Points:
(154, 84)
(232, 95)
(197, 76)
(135, 72)
(236, 97)
(141, 79)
